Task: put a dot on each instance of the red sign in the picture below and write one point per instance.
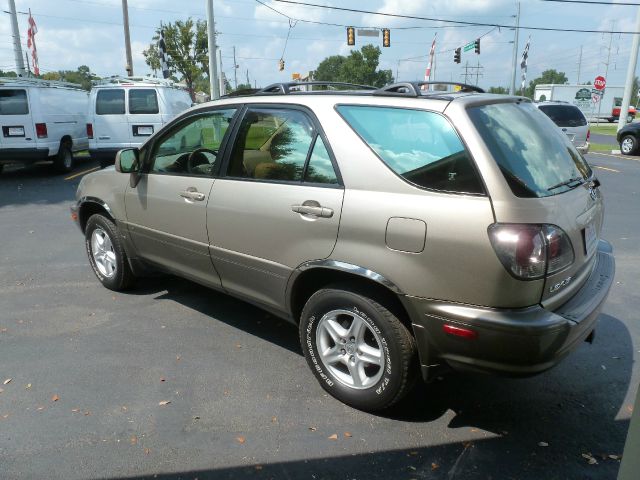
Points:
(599, 83)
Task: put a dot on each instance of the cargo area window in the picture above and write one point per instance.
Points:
(110, 102)
(420, 146)
(13, 102)
(143, 100)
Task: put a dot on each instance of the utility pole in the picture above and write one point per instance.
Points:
(478, 74)
(514, 65)
(26, 57)
(631, 71)
(466, 73)
(15, 32)
(213, 68)
(606, 74)
(235, 68)
(127, 38)
(579, 65)
(248, 81)
(223, 88)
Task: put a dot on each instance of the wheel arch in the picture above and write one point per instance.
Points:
(66, 140)
(90, 206)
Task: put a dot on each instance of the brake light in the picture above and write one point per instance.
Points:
(530, 252)
(588, 134)
(41, 130)
(89, 130)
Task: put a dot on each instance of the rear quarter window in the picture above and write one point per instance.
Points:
(143, 100)
(110, 102)
(420, 146)
(13, 102)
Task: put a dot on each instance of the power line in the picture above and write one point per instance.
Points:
(456, 22)
(583, 2)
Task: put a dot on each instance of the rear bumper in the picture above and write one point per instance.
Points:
(23, 155)
(104, 155)
(583, 149)
(516, 342)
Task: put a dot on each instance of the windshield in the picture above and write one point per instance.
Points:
(536, 159)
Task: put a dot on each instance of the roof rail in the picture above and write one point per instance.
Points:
(413, 89)
(119, 80)
(291, 87)
(39, 82)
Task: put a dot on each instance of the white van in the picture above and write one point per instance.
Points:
(42, 120)
(125, 111)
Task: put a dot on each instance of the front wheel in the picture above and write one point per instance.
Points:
(628, 145)
(358, 350)
(106, 253)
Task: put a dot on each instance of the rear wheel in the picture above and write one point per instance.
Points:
(358, 350)
(63, 162)
(628, 145)
(106, 253)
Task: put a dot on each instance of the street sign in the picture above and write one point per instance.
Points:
(595, 98)
(599, 83)
(368, 32)
(469, 46)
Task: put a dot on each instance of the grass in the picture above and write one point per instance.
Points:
(601, 147)
(604, 128)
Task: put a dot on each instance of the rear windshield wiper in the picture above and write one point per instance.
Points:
(568, 183)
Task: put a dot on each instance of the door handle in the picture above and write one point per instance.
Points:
(313, 208)
(192, 194)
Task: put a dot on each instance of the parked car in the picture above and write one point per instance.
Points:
(570, 120)
(628, 137)
(125, 111)
(42, 121)
(403, 231)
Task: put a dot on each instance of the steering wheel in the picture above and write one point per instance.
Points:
(198, 157)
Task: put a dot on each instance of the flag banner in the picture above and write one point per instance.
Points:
(31, 43)
(523, 64)
(162, 51)
(432, 52)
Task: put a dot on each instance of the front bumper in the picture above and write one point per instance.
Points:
(516, 342)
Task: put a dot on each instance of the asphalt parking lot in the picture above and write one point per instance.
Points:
(174, 381)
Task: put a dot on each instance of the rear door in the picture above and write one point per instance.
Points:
(18, 130)
(144, 114)
(111, 128)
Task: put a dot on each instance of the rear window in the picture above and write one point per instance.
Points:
(420, 146)
(13, 102)
(110, 101)
(533, 155)
(143, 100)
(564, 115)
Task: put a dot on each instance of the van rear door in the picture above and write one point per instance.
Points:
(144, 114)
(18, 129)
(110, 128)
(570, 120)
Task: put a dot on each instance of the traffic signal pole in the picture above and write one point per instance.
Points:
(631, 71)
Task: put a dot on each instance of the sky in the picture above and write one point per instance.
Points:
(90, 32)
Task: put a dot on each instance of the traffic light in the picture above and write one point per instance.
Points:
(386, 37)
(476, 46)
(456, 55)
(351, 36)
(281, 65)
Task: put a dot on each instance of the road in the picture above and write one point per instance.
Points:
(174, 381)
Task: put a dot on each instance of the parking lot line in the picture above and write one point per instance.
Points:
(70, 177)
(607, 169)
(622, 157)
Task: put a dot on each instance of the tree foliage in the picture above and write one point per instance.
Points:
(548, 76)
(360, 66)
(187, 50)
(82, 76)
(499, 90)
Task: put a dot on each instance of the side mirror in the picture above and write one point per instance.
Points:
(128, 161)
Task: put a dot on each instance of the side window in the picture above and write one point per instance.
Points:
(420, 146)
(192, 148)
(13, 102)
(272, 144)
(320, 169)
(110, 101)
(143, 100)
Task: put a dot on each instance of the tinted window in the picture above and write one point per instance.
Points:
(320, 169)
(534, 156)
(143, 100)
(13, 102)
(192, 149)
(420, 146)
(110, 101)
(564, 115)
(272, 144)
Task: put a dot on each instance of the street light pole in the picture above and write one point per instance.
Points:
(213, 63)
(631, 71)
(15, 32)
(514, 65)
(127, 38)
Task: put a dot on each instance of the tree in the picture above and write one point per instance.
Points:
(8, 74)
(359, 67)
(81, 76)
(187, 50)
(548, 76)
(499, 90)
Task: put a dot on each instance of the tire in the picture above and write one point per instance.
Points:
(630, 118)
(63, 162)
(628, 145)
(610, 119)
(350, 327)
(106, 253)
(1, 167)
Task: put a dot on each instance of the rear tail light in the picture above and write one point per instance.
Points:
(588, 135)
(89, 130)
(41, 130)
(530, 252)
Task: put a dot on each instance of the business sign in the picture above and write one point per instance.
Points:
(599, 83)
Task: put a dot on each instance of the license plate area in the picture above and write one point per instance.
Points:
(142, 130)
(590, 239)
(17, 131)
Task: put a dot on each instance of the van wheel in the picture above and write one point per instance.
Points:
(63, 162)
(358, 350)
(106, 253)
(628, 145)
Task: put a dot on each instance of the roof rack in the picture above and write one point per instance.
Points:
(293, 87)
(38, 82)
(119, 80)
(413, 89)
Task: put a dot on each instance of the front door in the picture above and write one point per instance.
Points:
(278, 206)
(167, 210)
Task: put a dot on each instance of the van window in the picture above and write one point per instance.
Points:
(143, 100)
(110, 101)
(564, 115)
(13, 102)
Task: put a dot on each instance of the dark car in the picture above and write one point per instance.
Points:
(628, 137)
